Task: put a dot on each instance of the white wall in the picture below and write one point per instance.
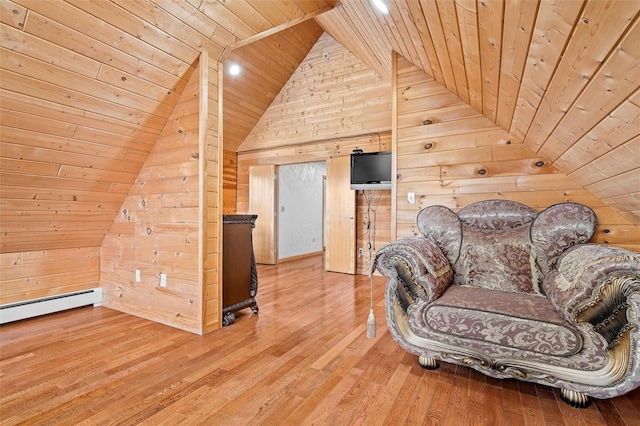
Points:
(300, 208)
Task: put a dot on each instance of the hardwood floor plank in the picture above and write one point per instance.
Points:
(305, 359)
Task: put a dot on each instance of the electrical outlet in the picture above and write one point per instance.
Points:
(137, 275)
(360, 251)
(163, 280)
(411, 198)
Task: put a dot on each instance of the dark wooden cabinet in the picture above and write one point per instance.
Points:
(239, 273)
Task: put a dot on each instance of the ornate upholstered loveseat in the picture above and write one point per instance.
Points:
(514, 293)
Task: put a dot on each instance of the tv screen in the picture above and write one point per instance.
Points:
(371, 170)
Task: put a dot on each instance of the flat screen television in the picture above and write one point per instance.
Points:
(371, 170)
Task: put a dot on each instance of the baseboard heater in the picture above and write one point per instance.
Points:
(47, 305)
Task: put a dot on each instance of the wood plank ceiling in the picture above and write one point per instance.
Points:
(86, 87)
(562, 76)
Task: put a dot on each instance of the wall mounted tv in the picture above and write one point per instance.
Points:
(371, 170)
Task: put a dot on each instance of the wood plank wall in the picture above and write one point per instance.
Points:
(332, 105)
(210, 186)
(331, 94)
(34, 274)
(462, 157)
(157, 228)
(229, 182)
(321, 151)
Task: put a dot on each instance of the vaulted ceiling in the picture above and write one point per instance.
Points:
(86, 86)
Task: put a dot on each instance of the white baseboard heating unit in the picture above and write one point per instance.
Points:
(47, 305)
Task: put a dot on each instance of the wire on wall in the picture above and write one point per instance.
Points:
(370, 233)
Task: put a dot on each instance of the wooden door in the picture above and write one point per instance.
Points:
(340, 216)
(262, 201)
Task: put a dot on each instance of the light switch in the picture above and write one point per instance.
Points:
(137, 275)
(411, 198)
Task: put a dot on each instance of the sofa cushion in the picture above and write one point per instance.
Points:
(507, 266)
(502, 260)
(526, 322)
(559, 227)
(441, 225)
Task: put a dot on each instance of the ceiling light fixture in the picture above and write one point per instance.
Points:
(379, 4)
(234, 69)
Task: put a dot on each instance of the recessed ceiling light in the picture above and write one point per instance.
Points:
(234, 69)
(379, 4)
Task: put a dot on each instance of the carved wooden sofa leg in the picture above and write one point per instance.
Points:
(428, 363)
(574, 399)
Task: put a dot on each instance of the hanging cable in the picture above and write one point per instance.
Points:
(371, 235)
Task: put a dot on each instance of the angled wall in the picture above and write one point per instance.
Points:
(160, 228)
(449, 154)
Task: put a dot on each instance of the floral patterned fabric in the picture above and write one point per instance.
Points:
(502, 260)
(559, 227)
(518, 321)
(580, 269)
(497, 214)
(442, 226)
(456, 314)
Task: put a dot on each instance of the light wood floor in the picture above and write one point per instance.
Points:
(304, 359)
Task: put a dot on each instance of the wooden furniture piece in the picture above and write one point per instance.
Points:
(239, 273)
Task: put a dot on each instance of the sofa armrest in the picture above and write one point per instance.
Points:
(418, 268)
(596, 284)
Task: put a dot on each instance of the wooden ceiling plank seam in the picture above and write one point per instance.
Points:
(401, 36)
(114, 14)
(131, 83)
(28, 167)
(597, 29)
(615, 80)
(270, 12)
(490, 23)
(88, 25)
(436, 30)
(29, 67)
(371, 32)
(38, 48)
(114, 150)
(57, 182)
(54, 32)
(296, 38)
(289, 9)
(188, 14)
(245, 11)
(418, 19)
(449, 17)
(554, 24)
(618, 127)
(619, 185)
(621, 159)
(260, 66)
(379, 29)
(355, 41)
(469, 23)
(340, 28)
(67, 159)
(226, 19)
(12, 14)
(310, 6)
(171, 25)
(32, 122)
(516, 39)
(414, 35)
(275, 30)
(23, 192)
(56, 94)
(277, 46)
